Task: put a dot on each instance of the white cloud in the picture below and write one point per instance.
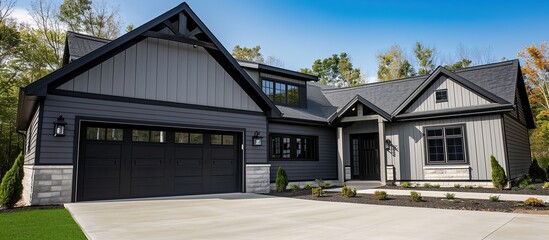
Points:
(21, 15)
(372, 79)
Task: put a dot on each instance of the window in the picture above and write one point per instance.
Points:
(104, 134)
(189, 138)
(218, 139)
(445, 145)
(282, 93)
(441, 95)
(148, 136)
(284, 147)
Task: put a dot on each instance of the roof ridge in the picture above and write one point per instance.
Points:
(376, 83)
(483, 66)
(90, 37)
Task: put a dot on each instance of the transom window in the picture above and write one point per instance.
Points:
(149, 136)
(288, 147)
(441, 95)
(281, 93)
(104, 134)
(445, 145)
(219, 139)
(189, 138)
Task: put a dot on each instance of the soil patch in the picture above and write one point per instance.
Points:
(538, 190)
(27, 208)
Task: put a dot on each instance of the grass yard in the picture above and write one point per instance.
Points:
(39, 224)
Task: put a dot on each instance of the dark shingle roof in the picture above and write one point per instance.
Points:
(318, 107)
(80, 44)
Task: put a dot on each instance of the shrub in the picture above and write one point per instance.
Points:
(318, 192)
(320, 183)
(415, 196)
(11, 188)
(530, 187)
(468, 186)
(450, 195)
(427, 185)
(545, 185)
(494, 198)
(457, 185)
(405, 185)
(437, 186)
(522, 182)
(281, 180)
(327, 184)
(294, 187)
(536, 172)
(515, 188)
(308, 186)
(348, 191)
(381, 195)
(534, 202)
(498, 174)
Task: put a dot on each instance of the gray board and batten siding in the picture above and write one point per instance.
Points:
(518, 146)
(163, 70)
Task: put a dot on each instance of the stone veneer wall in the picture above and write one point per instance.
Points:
(45, 185)
(258, 178)
(447, 173)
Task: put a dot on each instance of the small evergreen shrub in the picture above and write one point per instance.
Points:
(294, 187)
(320, 183)
(494, 198)
(457, 185)
(522, 182)
(318, 192)
(348, 191)
(534, 202)
(515, 188)
(11, 188)
(415, 196)
(308, 186)
(381, 195)
(405, 185)
(468, 187)
(545, 185)
(437, 186)
(450, 195)
(427, 185)
(281, 180)
(530, 187)
(536, 172)
(498, 174)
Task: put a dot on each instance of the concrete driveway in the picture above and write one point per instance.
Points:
(252, 216)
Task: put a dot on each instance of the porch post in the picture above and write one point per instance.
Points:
(382, 153)
(340, 162)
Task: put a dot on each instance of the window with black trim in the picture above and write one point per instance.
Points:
(189, 138)
(441, 95)
(148, 136)
(104, 134)
(222, 139)
(282, 93)
(292, 147)
(445, 145)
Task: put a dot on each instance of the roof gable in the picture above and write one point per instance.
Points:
(364, 102)
(179, 24)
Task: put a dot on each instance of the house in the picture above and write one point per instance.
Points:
(166, 110)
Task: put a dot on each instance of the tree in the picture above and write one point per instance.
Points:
(95, 18)
(498, 173)
(281, 180)
(536, 172)
(11, 188)
(459, 64)
(6, 8)
(337, 70)
(392, 64)
(425, 58)
(248, 54)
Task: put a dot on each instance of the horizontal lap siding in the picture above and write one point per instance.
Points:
(458, 96)
(518, 146)
(483, 137)
(157, 69)
(324, 168)
(31, 139)
(59, 150)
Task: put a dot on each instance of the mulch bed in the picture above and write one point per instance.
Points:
(537, 191)
(428, 202)
(27, 208)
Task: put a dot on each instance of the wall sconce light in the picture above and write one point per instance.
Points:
(59, 127)
(256, 139)
(388, 144)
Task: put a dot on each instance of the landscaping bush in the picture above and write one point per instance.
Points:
(494, 198)
(281, 180)
(327, 184)
(320, 183)
(308, 186)
(348, 191)
(427, 185)
(468, 187)
(522, 182)
(498, 174)
(437, 186)
(457, 185)
(534, 202)
(536, 172)
(294, 187)
(545, 185)
(530, 187)
(405, 185)
(11, 188)
(318, 192)
(450, 195)
(415, 196)
(381, 195)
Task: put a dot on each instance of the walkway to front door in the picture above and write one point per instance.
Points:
(365, 156)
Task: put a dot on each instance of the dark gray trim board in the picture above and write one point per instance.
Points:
(469, 111)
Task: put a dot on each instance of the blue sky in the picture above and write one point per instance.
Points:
(298, 32)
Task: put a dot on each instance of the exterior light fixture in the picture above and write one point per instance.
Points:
(59, 127)
(388, 144)
(256, 139)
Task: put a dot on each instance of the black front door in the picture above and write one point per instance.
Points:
(365, 156)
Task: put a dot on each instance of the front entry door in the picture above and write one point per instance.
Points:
(365, 156)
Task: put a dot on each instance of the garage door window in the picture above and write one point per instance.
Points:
(104, 134)
(219, 139)
(189, 138)
(148, 136)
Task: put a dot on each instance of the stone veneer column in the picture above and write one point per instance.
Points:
(258, 178)
(45, 185)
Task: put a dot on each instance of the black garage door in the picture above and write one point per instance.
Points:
(121, 161)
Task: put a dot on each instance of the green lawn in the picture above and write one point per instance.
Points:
(39, 224)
